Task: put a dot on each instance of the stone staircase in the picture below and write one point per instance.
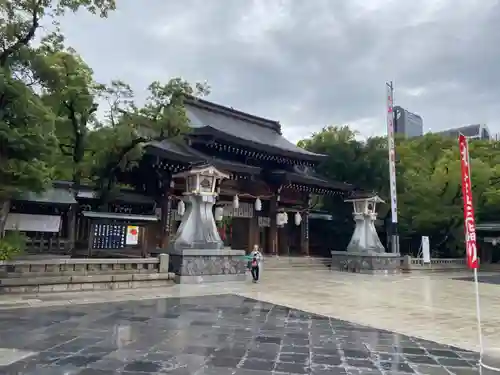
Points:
(280, 263)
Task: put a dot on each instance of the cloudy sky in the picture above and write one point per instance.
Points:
(309, 63)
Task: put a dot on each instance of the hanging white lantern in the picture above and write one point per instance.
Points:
(219, 213)
(298, 218)
(236, 202)
(258, 204)
(181, 208)
(279, 218)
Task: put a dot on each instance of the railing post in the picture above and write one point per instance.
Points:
(164, 259)
(406, 262)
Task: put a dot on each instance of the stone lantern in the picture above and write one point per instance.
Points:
(365, 238)
(197, 253)
(198, 228)
(365, 253)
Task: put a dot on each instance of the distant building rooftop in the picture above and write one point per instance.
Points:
(476, 131)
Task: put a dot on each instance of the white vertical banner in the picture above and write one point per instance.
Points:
(392, 152)
(426, 249)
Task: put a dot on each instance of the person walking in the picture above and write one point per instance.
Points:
(256, 263)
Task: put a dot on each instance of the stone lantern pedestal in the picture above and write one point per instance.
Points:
(197, 253)
(365, 253)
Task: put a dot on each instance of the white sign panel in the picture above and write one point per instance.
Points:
(33, 223)
(132, 235)
(426, 249)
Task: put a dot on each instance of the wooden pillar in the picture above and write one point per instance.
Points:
(71, 228)
(253, 232)
(284, 239)
(272, 240)
(304, 226)
(143, 241)
(304, 234)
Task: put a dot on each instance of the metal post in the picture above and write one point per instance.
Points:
(392, 168)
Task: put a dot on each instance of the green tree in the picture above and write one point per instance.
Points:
(27, 138)
(117, 145)
(361, 163)
(429, 191)
(72, 94)
(428, 182)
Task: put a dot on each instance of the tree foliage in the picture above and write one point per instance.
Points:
(70, 92)
(27, 124)
(51, 124)
(428, 182)
(117, 143)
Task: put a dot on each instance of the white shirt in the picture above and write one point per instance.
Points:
(258, 255)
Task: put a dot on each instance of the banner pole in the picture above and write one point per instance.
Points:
(467, 235)
(392, 167)
(478, 312)
(476, 281)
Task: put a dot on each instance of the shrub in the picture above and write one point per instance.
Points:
(13, 243)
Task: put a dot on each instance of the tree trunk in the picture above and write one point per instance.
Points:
(4, 210)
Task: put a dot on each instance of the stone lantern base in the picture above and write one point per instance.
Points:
(195, 266)
(370, 263)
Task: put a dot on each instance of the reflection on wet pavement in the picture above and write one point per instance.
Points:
(214, 335)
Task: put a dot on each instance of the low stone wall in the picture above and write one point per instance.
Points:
(193, 266)
(385, 263)
(411, 264)
(56, 275)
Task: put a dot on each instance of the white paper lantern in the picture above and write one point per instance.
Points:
(236, 202)
(278, 219)
(181, 208)
(258, 204)
(219, 213)
(285, 218)
(298, 218)
(281, 219)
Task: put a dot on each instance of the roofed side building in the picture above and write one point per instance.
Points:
(476, 131)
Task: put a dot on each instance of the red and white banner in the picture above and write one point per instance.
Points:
(469, 221)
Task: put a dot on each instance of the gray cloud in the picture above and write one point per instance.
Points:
(310, 63)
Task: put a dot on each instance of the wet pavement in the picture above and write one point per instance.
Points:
(487, 279)
(210, 335)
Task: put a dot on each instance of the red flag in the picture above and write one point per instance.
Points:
(469, 221)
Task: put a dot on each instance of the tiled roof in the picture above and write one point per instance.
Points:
(241, 128)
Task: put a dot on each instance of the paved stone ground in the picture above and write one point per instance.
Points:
(487, 279)
(210, 335)
(433, 307)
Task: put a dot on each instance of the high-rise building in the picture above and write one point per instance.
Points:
(407, 123)
(476, 131)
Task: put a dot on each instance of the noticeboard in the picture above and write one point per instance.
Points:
(114, 236)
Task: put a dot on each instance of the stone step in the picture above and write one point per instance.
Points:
(296, 259)
(310, 268)
(284, 263)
